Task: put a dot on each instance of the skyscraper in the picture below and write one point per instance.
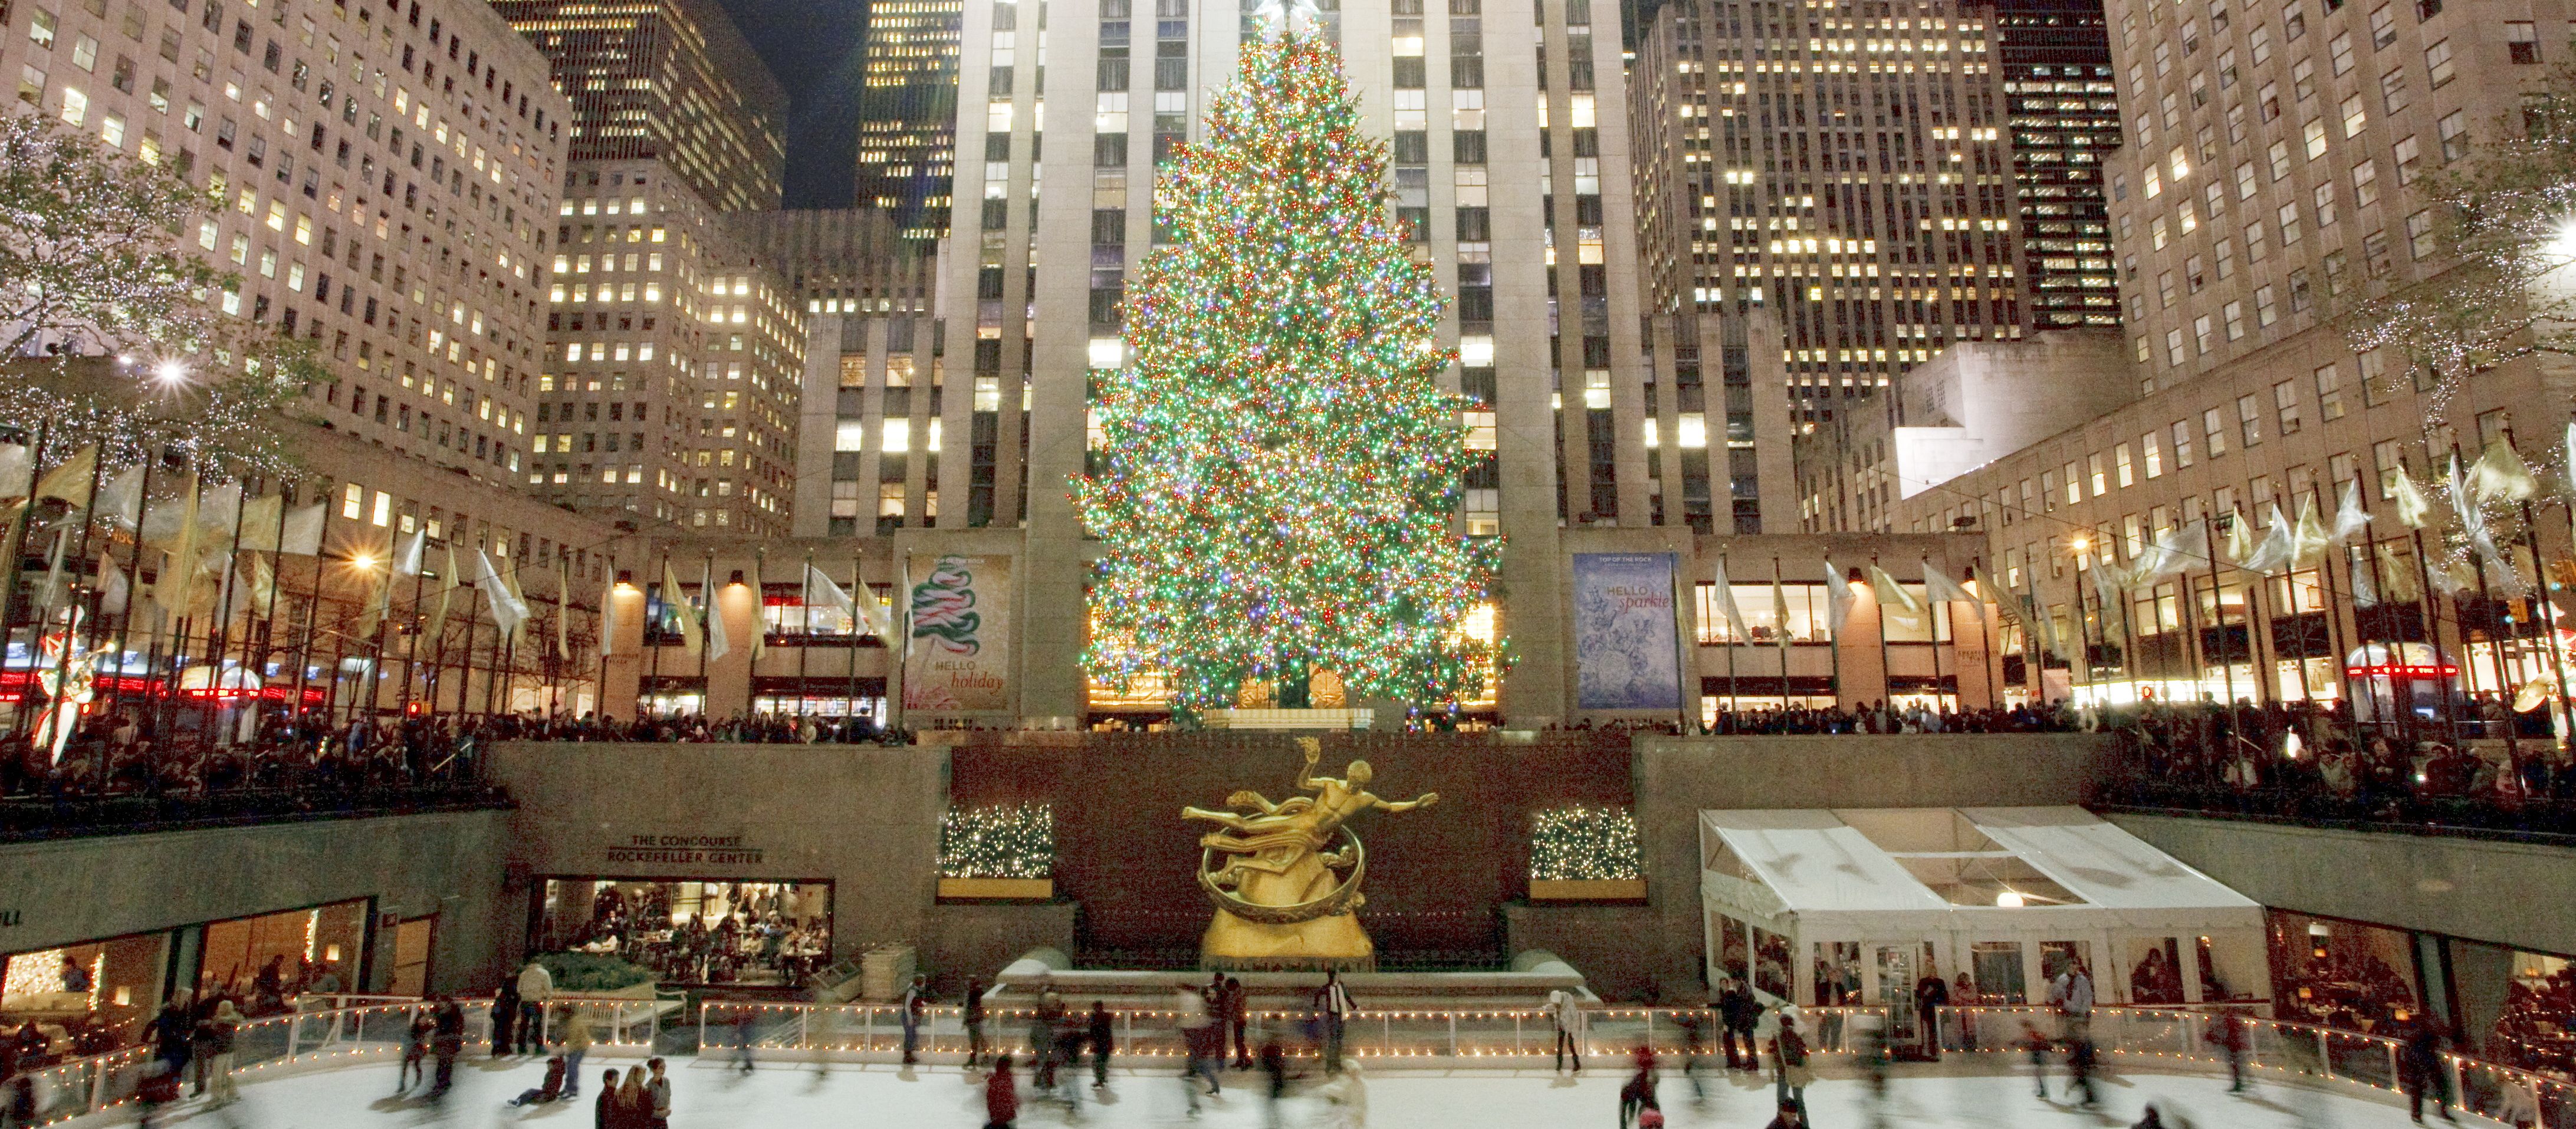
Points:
(908, 113)
(674, 352)
(1843, 167)
(665, 80)
(2065, 121)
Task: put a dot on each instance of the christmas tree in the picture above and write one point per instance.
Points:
(1278, 469)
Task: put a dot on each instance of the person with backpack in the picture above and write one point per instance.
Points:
(1789, 1051)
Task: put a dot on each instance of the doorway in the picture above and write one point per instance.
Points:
(412, 940)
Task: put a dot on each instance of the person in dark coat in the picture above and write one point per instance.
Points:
(172, 1031)
(1100, 1032)
(604, 1111)
(1931, 994)
(2420, 1072)
(1738, 1014)
(1001, 1096)
(505, 1017)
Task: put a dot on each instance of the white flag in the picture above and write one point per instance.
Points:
(303, 530)
(1726, 604)
(718, 645)
(680, 611)
(113, 589)
(608, 619)
(508, 610)
(120, 499)
(2349, 516)
(220, 508)
(18, 473)
(1838, 597)
(2276, 549)
(820, 587)
(1941, 587)
(407, 556)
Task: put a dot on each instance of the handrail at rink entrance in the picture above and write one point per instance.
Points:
(319, 1035)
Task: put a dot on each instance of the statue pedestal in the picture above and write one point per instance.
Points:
(1335, 941)
(1307, 719)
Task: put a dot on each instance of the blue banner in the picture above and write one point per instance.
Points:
(1627, 642)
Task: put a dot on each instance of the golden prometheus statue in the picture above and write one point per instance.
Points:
(1284, 892)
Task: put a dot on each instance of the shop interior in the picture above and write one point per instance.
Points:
(693, 931)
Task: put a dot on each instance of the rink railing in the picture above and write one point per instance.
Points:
(348, 1031)
(2163, 1038)
(327, 1031)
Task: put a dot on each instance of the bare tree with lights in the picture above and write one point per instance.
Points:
(96, 260)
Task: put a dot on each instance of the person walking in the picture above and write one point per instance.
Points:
(576, 1043)
(1566, 1015)
(634, 1103)
(1739, 1014)
(742, 1038)
(1333, 1002)
(1931, 994)
(505, 1017)
(657, 1093)
(916, 1004)
(536, 990)
(2227, 1033)
(2037, 1047)
(1100, 1033)
(201, 1037)
(225, 1029)
(1202, 1038)
(171, 1031)
(415, 1059)
(446, 1042)
(1001, 1096)
(2080, 1060)
(973, 1012)
(1274, 1067)
(1238, 1018)
(1639, 1092)
(604, 1112)
(2420, 1071)
(1789, 1050)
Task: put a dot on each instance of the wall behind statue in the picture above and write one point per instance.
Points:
(1435, 876)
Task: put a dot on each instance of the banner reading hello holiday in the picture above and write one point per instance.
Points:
(957, 653)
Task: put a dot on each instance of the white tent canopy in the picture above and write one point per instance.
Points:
(2005, 889)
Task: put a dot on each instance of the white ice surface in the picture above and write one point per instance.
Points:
(709, 1096)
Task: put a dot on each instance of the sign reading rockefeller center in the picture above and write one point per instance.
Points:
(669, 848)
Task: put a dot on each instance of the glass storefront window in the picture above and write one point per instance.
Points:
(1998, 970)
(1771, 964)
(2535, 1028)
(691, 931)
(263, 962)
(2341, 973)
(2155, 970)
(1733, 953)
(83, 999)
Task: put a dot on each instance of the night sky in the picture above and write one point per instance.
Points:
(812, 46)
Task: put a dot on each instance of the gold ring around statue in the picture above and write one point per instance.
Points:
(1340, 899)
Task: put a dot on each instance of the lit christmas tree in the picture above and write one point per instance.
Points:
(1279, 469)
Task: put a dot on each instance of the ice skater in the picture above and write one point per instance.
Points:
(2227, 1033)
(1639, 1092)
(2037, 1047)
(1100, 1039)
(1274, 1067)
(415, 1058)
(2420, 1071)
(1567, 1017)
(1001, 1096)
(2080, 1061)
(742, 1038)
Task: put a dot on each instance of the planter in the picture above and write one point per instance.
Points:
(1287, 719)
(1587, 889)
(997, 889)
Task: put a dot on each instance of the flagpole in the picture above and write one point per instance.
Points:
(1780, 611)
(2083, 638)
(267, 626)
(133, 580)
(899, 618)
(707, 611)
(2433, 631)
(411, 652)
(1886, 669)
(1732, 628)
(2218, 615)
(86, 625)
(15, 546)
(2540, 594)
(2495, 646)
(1992, 642)
(313, 607)
(652, 629)
(2128, 627)
(858, 591)
(219, 629)
(1935, 613)
(805, 646)
(2334, 618)
(2390, 653)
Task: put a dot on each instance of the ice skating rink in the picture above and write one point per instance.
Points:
(708, 1095)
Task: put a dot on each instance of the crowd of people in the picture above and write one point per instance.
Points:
(740, 932)
(2303, 761)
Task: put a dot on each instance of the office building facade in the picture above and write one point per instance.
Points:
(908, 114)
(2063, 110)
(665, 80)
